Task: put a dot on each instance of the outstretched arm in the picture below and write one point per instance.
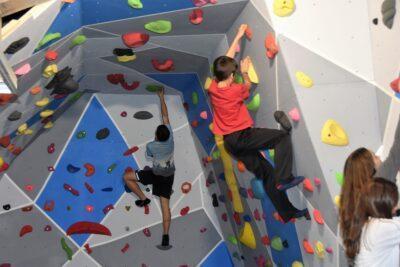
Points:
(231, 51)
(164, 109)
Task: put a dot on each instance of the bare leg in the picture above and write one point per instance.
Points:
(131, 181)
(166, 214)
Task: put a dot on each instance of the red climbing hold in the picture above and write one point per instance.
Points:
(115, 78)
(146, 209)
(130, 87)
(88, 248)
(196, 17)
(125, 248)
(257, 215)
(49, 205)
(51, 55)
(146, 232)
(124, 114)
(50, 169)
(107, 208)
(395, 85)
(135, 39)
(51, 148)
(6, 98)
(89, 208)
(27, 208)
(5, 141)
(71, 189)
(194, 123)
(47, 228)
(307, 185)
(89, 169)
(185, 211)
(250, 192)
(318, 217)
(167, 65)
(29, 187)
(236, 217)
(84, 227)
(271, 46)
(25, 230)
(17, 151)
(89, 188)
(249, 33)
(131, 150)
(265, 240)
(4, 167)
(224, 217)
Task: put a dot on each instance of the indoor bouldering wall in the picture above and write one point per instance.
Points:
(63, 153)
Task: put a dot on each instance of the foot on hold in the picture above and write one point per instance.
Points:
(292, 182)
(283, 120)
(164, 243)
(303, 213)
(142, 203)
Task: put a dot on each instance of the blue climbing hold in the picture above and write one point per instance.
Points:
(222, 177)
(107, 189)
(258, 188)
(73, 169)
(247, 218)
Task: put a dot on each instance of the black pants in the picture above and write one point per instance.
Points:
(246, 144)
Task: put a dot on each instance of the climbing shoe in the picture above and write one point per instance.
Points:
(164, 243)
(302, 213)
(283, 120)
(285, 185)
(142, 203)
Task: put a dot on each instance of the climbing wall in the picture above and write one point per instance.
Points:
(63, 199)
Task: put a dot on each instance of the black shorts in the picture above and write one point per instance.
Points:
(162, 186)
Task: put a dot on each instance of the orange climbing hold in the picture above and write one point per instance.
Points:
(25, 230)
(249, 33)
(395, 85)
(307, 185)
(35, 90)
(131, 151)
(241, 167)
(90, 170)
(165, 66)
(308, 247)
(6, 98)
(318, 217)
(194, 123)
(51, 55)
(271, 46)
(135, 39)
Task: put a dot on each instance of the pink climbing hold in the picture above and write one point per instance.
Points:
(184, 211)
(135, 39)
(203, 230)
(200, 3)
(24, 69)
(5, 265)
(125, 248)
(318, 217)
(71, 189)
(203, 115)
(51, 148)
(146, 232)
(165, 66)
(29, 187)
(307, 185)
(50, 169)
(47, 228)
(51, 55)
(329, 250)
(25, 230)
(294, 114)
(89, 208)
(395, 85)
(317, 181)
(196, 17)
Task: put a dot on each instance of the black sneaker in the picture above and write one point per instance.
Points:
(141, 203)
(164, 243)
(302, 213)
(283, 120)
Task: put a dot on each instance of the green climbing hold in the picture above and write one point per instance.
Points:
(255, 103)
(48, 38)
(239, 79)
(137, 4)
(233, 240)
(81, 135)
(78, 40)
(339, 178)
(75, 97)
(216, 154)
(276, 243)
(272, 153)
(66, 248)
(111, 168)
(154, 88)
(159, 26)
(195, 98)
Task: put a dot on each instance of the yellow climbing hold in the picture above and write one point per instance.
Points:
(304, 80)
(23, 130)
(255, 103)
(297, 264)
(1, 162)
(247, 236)
(211, 127)
(43, 102)
(50, 71)
(284, 8)
(320, 249)
(46, 113)
(126, 58)
(333, 134)
(337, 201)
(252, 73)
(207, 83)
(49, 125)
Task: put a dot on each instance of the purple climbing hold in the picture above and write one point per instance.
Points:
(73, 169)
(222, 198)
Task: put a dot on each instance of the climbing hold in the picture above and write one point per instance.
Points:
(89, 208)
(4, 167)
(102, 133)
(271, 45)
(81, 134)
(124, 54)
(43, 102)
(247, 218)
(203, 230)
(7, 98)
(50, 71)
(337, 201)
(29, 187)
(196, 16)
(89, 188)
(50, 169)
(51, 148)
(320, 249)
(27, 208)
(111, 168)
(115, 78)
(72, 169)
(284, 8)
(123, 114)
(125, 248)
(135, 39)
(307, 247)
(294, 114)
(165, 66)
(1, 161)
(186, 187)
(146, 232)
(23, 130)
(329, 250)
(143, 115)
(236, 217)
(131, 150)
(233, 240)
(14, 116)
(265, 240)
(257, 215)
(147, 210)
(318, 217)
(35, 90)
(15, 46)
(258, 188)
(252, 73)
(195, 98)
(238, 79)
(7, 207)
(304, 80)
(90, 170)
(78, 40)
(388, 10)
(317, 181)
(395, 85)
(216, 154)
(49, 205)
(200, 3)
(333, 134)
(255, 103)
(184, 211)
(88, 249)
(224, 217)
(70, 189)
(84, 227)
(66, 248)
(277, 244)
(194, 123)
(154, 88)
(136, 4)
(25, 230)
(307, 185)
(207, 83)
(47, 228)
(51, 55)
(5, 141)
(241, 167)
(248, 33)
(24, 69)
(48, 38)
(46, 113)
(159, 26)
(214, 200)
(107, 208)
(297, 264)
(107, 189)
(204, 115)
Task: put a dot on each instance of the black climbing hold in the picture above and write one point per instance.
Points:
(215, 200)
(63, 82)
(69, 208)
(103, 134)
(14, 47)
(143, 115)
(375, 21)
(119, 52)
(16, 115)
(147, 189)
(72, 169)
(285, 243)
(7, 207)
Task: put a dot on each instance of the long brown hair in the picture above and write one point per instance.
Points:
(379, 197)
(358, 170)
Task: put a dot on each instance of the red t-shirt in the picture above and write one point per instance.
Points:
(230, 111)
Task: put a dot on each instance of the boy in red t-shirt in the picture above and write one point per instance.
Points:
(233, 121)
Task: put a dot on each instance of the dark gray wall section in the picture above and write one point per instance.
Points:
(189, 245)
(214, 21)
(384, 101)
(30, 167)
(38, 248)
